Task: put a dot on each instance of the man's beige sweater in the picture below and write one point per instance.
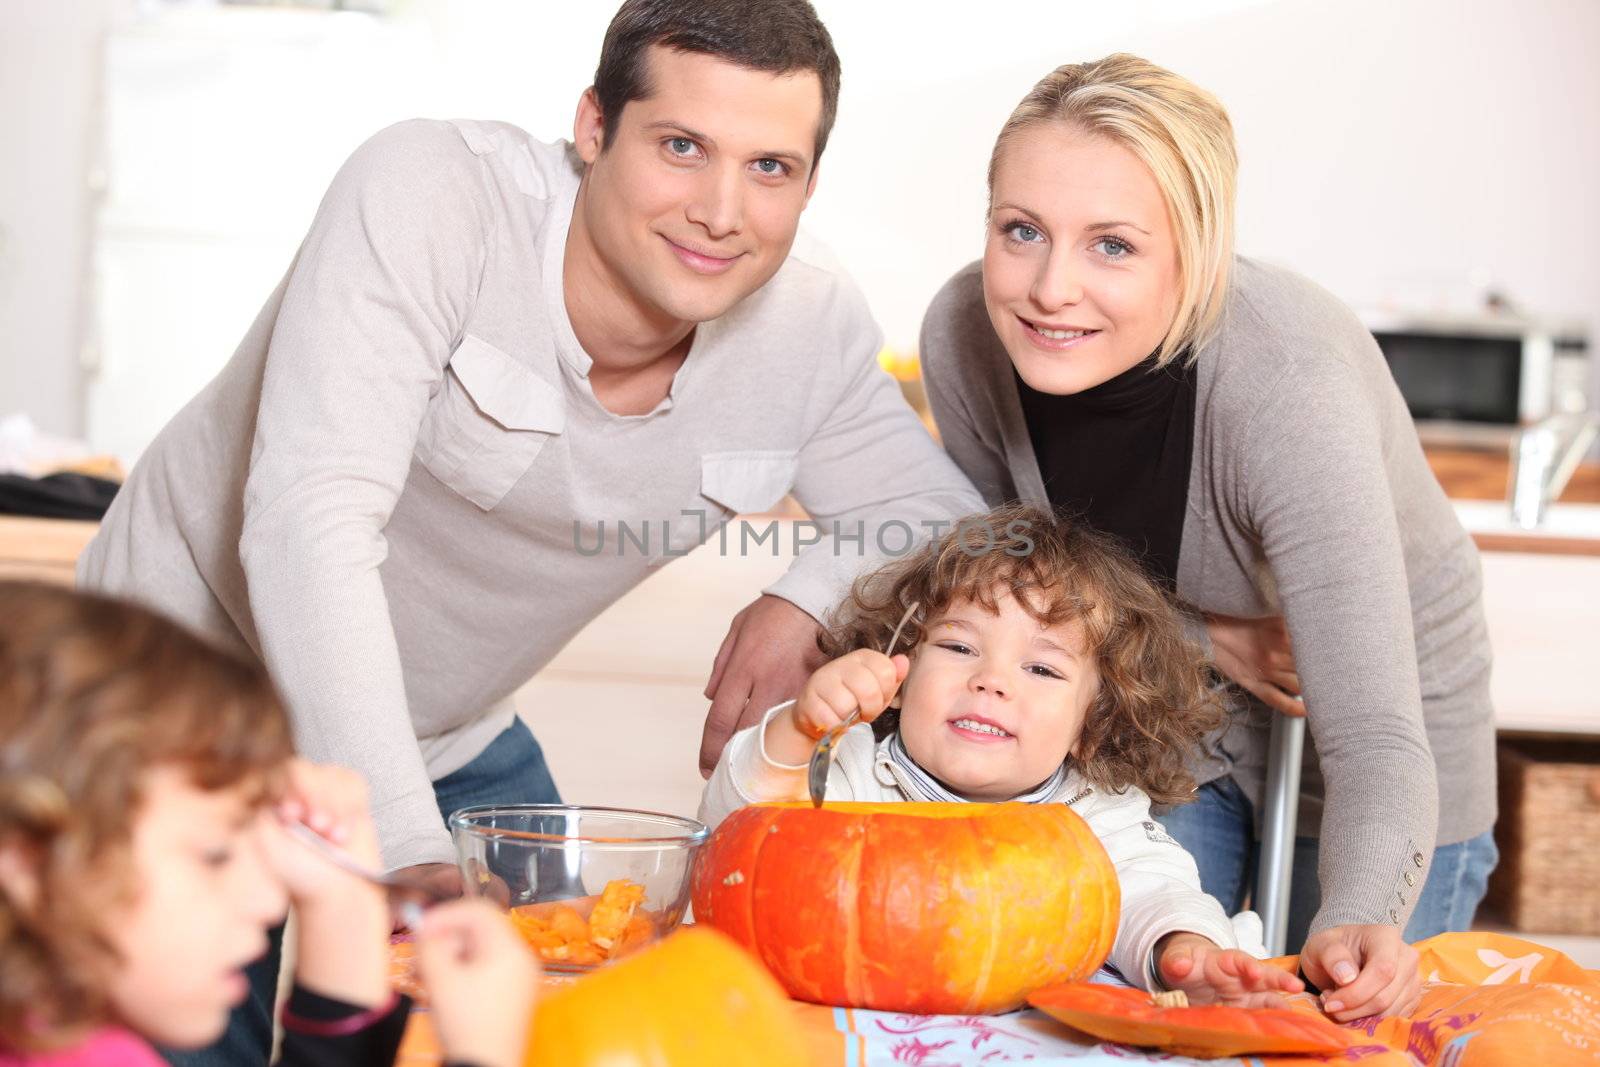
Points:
(394, 492)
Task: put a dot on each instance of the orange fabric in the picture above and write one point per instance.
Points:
(1487, 1000)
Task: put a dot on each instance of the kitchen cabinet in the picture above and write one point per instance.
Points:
(42, 549)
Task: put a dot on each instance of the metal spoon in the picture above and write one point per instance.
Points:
(822, 758)
(407, 896)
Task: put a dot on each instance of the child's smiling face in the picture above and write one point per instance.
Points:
(995, 702)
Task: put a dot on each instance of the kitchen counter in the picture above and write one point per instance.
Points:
(1477, 474)
(1540, 591)
(1567, 529)
(1477, 481)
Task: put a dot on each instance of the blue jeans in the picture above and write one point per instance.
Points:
(511, 770)
(1218, 830)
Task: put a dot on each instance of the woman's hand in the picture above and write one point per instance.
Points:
(1209, 974)
(482, 982)
(1257, 654)
(1362, 971)
(862, 679)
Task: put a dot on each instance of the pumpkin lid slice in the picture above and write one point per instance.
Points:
(1132, 1017)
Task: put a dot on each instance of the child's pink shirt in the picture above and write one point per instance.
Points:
(103, 1048)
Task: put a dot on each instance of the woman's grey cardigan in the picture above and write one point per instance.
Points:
(1308, 496)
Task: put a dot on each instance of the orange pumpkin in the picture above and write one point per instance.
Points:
(926, 908)
(1132, 1017)
(693, 999)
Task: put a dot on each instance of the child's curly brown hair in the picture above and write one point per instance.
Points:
(95, 693)
(1154, 703)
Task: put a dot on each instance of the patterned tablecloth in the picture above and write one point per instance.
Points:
(1488, 1000)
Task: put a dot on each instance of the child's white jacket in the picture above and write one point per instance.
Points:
(1160, 884)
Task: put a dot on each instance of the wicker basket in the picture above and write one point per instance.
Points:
(1549, 837)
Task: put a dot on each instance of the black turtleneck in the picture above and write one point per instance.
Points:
(1117, 456)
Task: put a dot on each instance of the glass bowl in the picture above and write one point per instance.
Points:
(583, 885)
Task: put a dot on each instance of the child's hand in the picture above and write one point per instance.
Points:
(332, 801)
(1212, 975)
(343, 921)
(862, 679)
(482, 982)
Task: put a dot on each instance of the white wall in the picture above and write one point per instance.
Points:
(1398, 151)
(1404, 152)
(49, 55)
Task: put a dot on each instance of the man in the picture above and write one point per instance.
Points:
(488, 354)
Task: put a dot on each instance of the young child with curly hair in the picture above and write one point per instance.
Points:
(147, 781)
(1043, 667)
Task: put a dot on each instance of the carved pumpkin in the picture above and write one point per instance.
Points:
(693, 999)
(1133, 1017)
(926, 908)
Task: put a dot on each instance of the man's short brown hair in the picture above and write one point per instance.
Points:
(1154, 703)
(94, 693)
(773, 36)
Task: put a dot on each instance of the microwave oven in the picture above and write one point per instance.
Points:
(1482, 377)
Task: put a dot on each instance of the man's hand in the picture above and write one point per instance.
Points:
(1362, 971)
(443, 877)
(1209, 974)
(1257, 654)
(770, 651)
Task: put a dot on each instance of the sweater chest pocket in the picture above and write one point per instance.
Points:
(748, 482)
(745, 483)
(487, 423)
(733, 483)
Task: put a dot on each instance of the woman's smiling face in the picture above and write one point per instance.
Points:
(1080, 270)
(995, 701)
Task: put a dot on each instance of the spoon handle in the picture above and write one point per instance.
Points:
(406, 896)
(822, 756)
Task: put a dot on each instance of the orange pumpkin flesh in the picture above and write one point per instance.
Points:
(1130, 1017)
(925, 908)
(692, 1000)
(586, 931)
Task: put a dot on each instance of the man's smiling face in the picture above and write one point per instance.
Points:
(695, 203)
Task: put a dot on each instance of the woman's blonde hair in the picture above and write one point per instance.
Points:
(1182, 134)
(1154, 704)
(94, 693)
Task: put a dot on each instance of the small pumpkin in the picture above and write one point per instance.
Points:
(1133, 1017)
(912, 907)
(690, 1000)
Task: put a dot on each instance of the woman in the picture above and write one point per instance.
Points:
(1237, 426)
